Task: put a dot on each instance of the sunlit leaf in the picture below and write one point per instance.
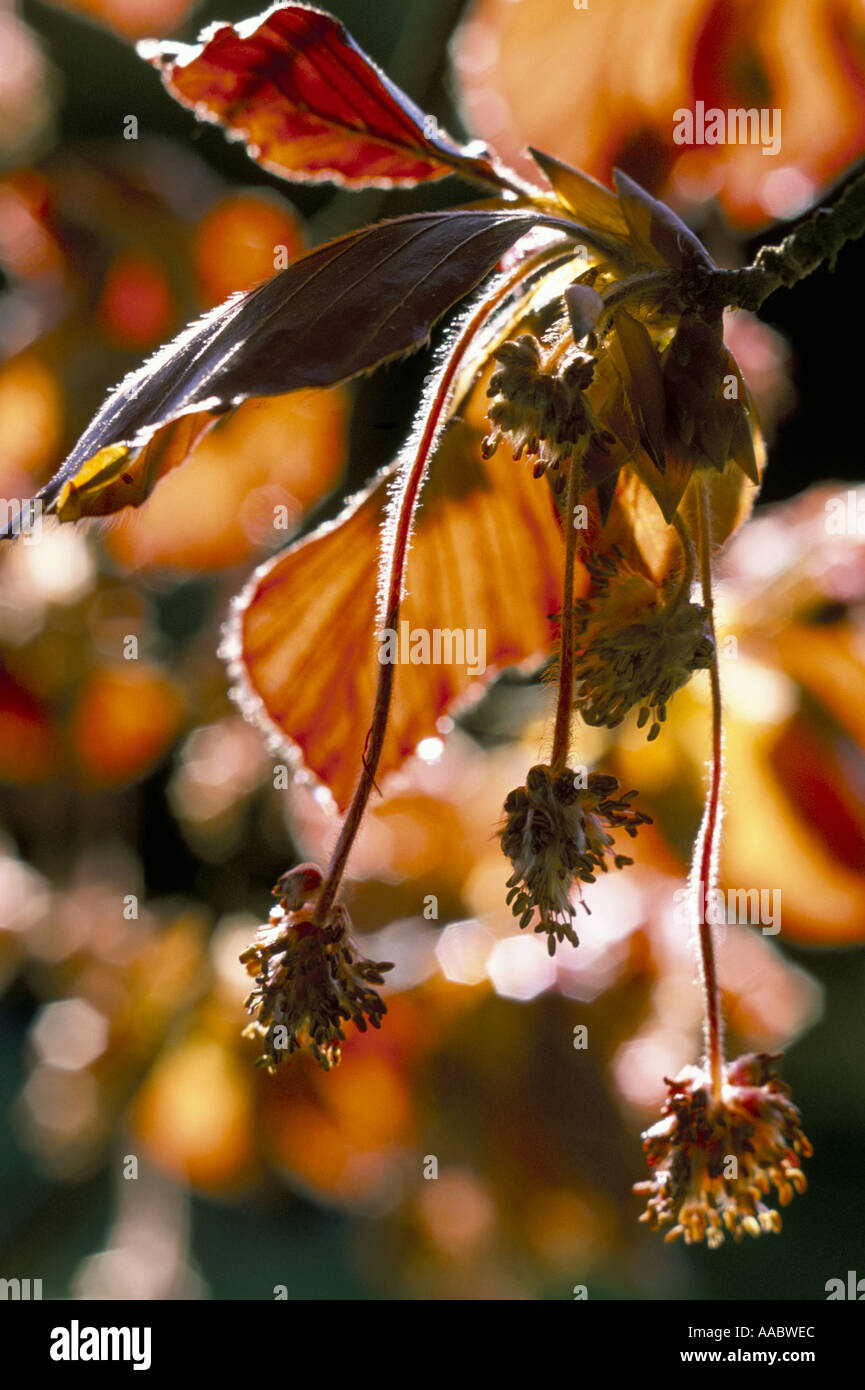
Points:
(135, 20)
(123, 722)
(786, 791)
(246, 485)
(308, 103)
(31, 412)
(241, 241)
(305, 633)
(657, 232)
(118, 476)
(136, 307)
(28, 743)
(336, 312)
(592, 204)
(342, 1140)
(636, 360)
(194, 1114)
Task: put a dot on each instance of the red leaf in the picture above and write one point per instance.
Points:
(309, 104)
(336, 312)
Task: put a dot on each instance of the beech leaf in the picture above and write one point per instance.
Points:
(309, 104)
(336, 312)
(486, 558)
(634, 355)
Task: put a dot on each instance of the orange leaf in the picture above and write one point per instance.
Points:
(596, 207)
(786, 814)
(634, 355)
(28, 745)
(194, 1114)
(118, 476)
(485, 560)
(237, 242)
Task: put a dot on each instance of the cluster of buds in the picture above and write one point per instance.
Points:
(557, 833)
(636, 645)
(309, 979)
(715, 1162)
(541, 412)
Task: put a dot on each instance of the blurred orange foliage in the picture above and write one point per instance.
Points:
(124, 720)
(614, 103)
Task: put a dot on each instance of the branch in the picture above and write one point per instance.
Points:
(818, 238)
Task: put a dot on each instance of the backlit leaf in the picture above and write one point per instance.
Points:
(246, 484)
(486, 556)
(308, 103)
(596, 207)
(334, 313)
(619, 98)
(635, 358)
(123, 722)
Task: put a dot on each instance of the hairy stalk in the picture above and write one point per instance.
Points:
(560, 348)
(686, 579)
(399, 554)
(704, 872)
(565, 701)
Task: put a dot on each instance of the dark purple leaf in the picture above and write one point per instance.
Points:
(335, 313)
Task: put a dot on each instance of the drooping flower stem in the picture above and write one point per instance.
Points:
(565, 701)
(400, 538)
(704, 873)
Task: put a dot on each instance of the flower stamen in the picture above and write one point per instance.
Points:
(637, 645)
(556, 835)
(715, 1162)
(310, 978)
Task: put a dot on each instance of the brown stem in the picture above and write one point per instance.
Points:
(705, 867)
(399, 553)
(818, 237)
(564, 704)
